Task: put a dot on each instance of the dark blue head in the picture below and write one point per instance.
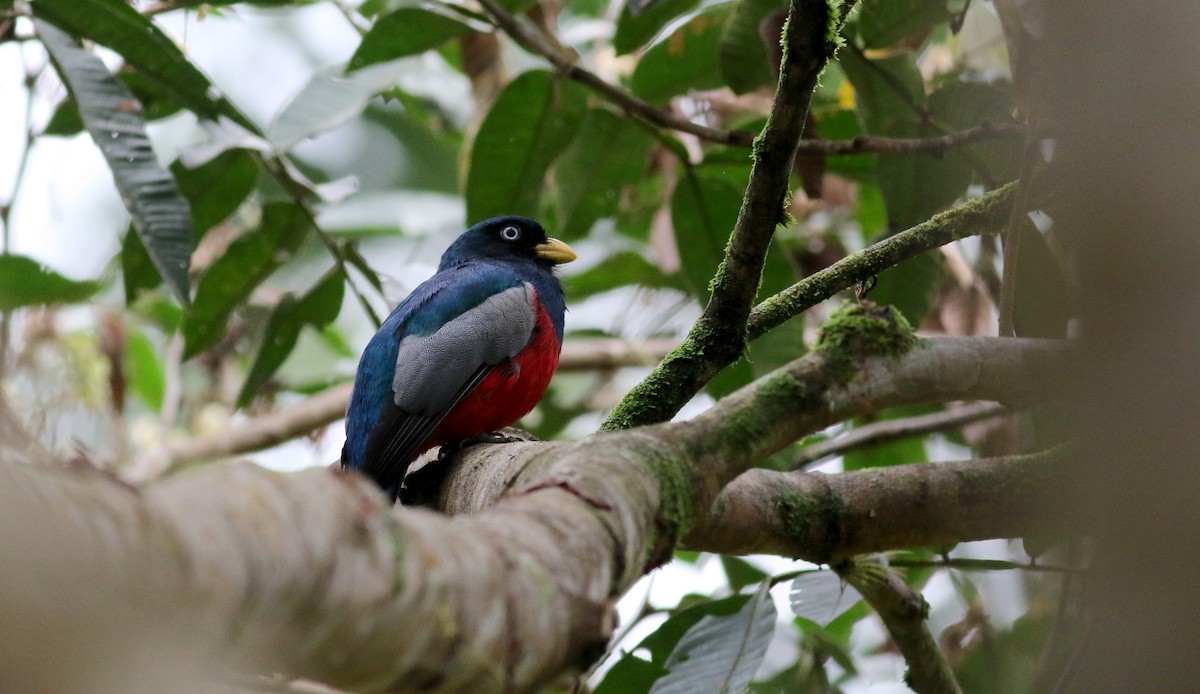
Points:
(511, 238)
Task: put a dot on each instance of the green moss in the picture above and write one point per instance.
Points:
(811, 520)
(856, 331)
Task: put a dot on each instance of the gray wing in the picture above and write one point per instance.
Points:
(435, 372)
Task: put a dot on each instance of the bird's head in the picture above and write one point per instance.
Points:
(507, 238)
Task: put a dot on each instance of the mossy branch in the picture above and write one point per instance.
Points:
(718, 337)
(823, 518)
(987, 214)
(679, 381)
(905, 613)
(311, 574)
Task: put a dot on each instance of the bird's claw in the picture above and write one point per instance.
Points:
(492, 437)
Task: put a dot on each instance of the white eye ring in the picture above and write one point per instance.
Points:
(510, 233)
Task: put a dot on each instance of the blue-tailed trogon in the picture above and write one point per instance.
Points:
(470, 351)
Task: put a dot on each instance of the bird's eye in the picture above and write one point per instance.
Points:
(510, 233)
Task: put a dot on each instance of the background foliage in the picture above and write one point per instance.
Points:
(264, 239)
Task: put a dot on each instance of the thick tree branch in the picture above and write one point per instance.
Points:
(904, 612)
(718, 337)
(311, 575)
(791, 402)
(823, 518)
(887, 430)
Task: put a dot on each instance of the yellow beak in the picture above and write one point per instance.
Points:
(555, 251)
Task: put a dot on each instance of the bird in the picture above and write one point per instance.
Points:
(471, 350)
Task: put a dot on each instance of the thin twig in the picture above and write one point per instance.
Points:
(968, 564)
(894, 429)
(983, 215)
(532, 41)
(328, 406)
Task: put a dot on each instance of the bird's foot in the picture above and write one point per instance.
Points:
(491, 437)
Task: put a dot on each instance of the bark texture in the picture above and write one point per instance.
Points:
(310, 574)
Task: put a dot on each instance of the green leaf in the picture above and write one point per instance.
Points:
(884, 23)
(663, 640)
(903, 451)
(137, 270)
(686, 60)
(26, 282)
(245, 264)
(156, 104)
(1042, 304)
(843, 124)
(217, 187)
(704, 209)
(143, 366)
(741, 573)
(618, 270)
(958, 105)
(608, 153)
(631, 675)
(820, 596)
(911, 286)
(746, 64)
(116, 25)
(633, 31)
(407, 31)
(721, 654)
(530, 124)
(114, 121)
(318, 307)
(330, 99)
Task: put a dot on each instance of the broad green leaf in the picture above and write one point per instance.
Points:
(958, 105)
(663, 640)
(704, 209)
(143, 366)
(530, 124)
(884, 23)
(721, 654)
(843, 124)
(741, 573)
(113, 119)
(116, 25)
(631, 675)
(903, 451)
(618, 270)
(1042, 305)
(318, 307)
(910, 286)
(889, 92)
(137, 270)
(330, 99)
(635, 30)
(217, 187)
(407, 31)
(686, 60)
(26, 282)
(820, 596)
(245, 264)
(156, 104)
(608, 153)
(746, 62)
(778, 347)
